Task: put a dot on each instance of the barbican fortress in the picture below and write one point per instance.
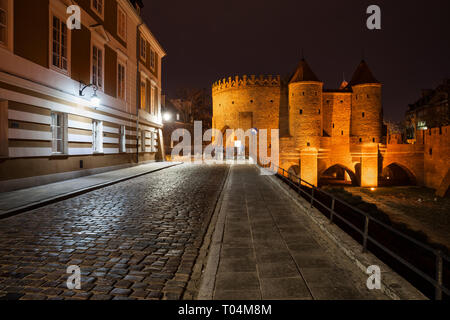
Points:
(330, 135)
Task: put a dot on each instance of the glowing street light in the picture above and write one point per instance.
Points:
(167, 116)
(95, 100)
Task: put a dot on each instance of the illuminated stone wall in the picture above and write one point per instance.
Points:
(328, 128)
(367, 116)
(247, 102)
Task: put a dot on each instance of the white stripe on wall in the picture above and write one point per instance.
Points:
(110, 150)
(29, 117)
(110, 140)
(80, 125)
(110, 130)
(29, 152)
(79, 151)
(79, 138)
(29, 134)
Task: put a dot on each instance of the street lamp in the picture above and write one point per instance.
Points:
(167, 116)
(95, 100)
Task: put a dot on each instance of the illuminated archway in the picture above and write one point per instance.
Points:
(338, 175)
(396, 174)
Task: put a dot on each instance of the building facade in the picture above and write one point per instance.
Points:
(330, 134)
(430, 111)
(76, 101)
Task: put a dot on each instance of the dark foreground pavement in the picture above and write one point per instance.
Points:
(137, 239)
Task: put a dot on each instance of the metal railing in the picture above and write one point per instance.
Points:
(297, 183)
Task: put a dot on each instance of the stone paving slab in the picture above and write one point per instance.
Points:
(272, 251)
(22, 200)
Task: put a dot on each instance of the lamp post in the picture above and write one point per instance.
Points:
(95, 100)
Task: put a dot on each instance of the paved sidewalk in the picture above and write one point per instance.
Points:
(271, 250)
(26, 199)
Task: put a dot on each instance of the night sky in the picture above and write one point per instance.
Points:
(207, 40)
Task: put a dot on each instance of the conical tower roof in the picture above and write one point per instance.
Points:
(362, 75)
(303, 73)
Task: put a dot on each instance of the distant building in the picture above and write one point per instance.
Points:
(430, 111)
(173, 119)
(50, 127)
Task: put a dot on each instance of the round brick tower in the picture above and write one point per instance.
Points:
(367, 112)
(305, 107)
(246, 103)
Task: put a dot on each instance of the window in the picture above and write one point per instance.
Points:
(4, 142)
(360, 139)
(97, 136)
(59, 44)
(143, 94)
(59, 133)
(430, 152)
(178, 117)
(143, 141)
(121, 81)
(152, 59)
(123, 139)
(153, 101)
(97, 67)
(301, 111)
(143, 48)
(121, 23)
(97, 6)
(373, 140)
(3, 22)
(153, 135)
(363, 114)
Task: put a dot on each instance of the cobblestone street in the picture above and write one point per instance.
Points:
(138, 239)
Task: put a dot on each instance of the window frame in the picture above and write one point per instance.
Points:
(95, 10)
(153, 93)
(4, 121)
(62, 21)
(6, 25)
(143, 93)
(123, 139)
(152, 59)
(64, 132)
(120, 64)
(143, 48)
(120, 11)
(99, 48)
(97, 136)
(143, 141)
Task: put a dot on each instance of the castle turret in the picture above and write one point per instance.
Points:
(305, 118)
(305, 103)
(367, 114)
(366, 121)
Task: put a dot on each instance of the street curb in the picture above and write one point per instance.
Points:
(216, 230)
(392, 285)
(65, 196)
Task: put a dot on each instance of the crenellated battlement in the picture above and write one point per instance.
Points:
(245, 81)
